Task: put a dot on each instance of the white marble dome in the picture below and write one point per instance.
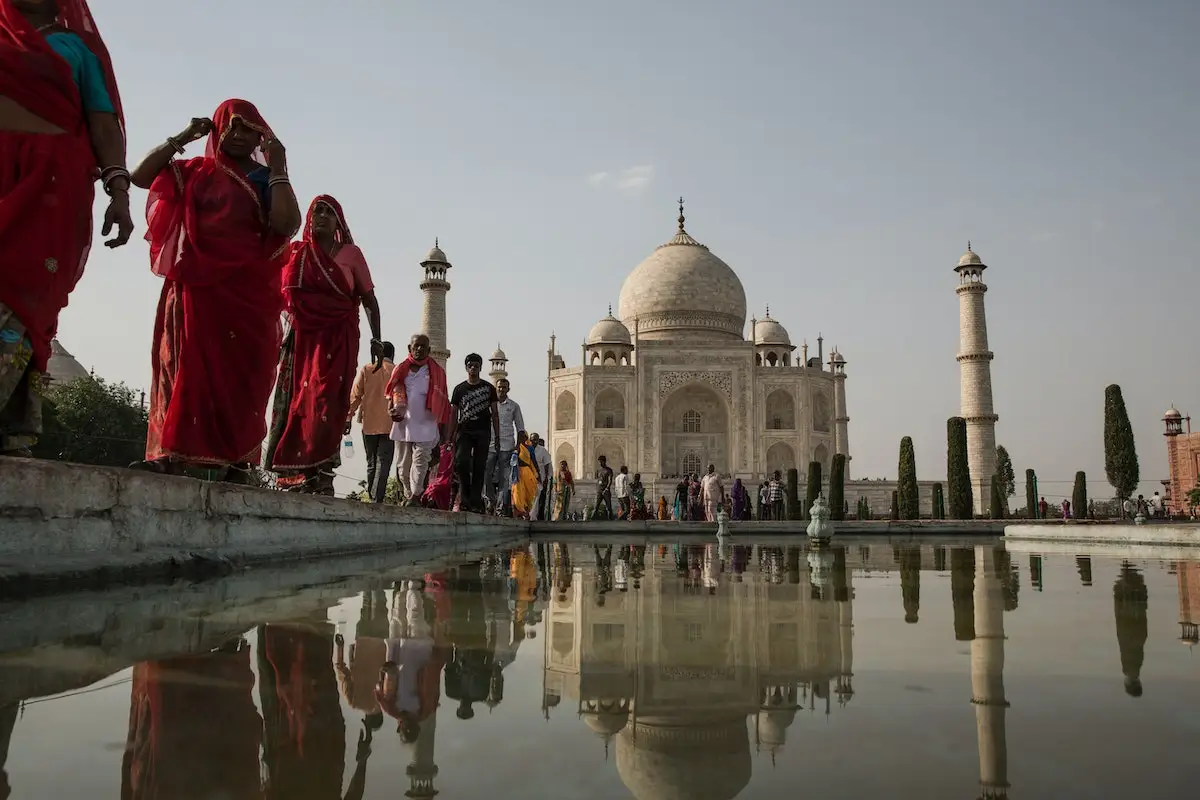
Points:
(498, 354)
(1172, 413)
(970, 258)
(63, 368)
(609, 330)
(769, 331)
(436, 256)
(682, 290)
(685, 758)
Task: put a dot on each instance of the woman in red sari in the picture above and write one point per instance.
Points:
(218, 228)
(60, 128)
(325, 280)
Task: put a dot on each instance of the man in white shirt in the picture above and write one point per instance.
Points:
(498, 480)
(621, 490)
(545, 469)
(417, 434)
(712, 492)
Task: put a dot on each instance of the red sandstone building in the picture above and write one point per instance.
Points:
(1183, 456)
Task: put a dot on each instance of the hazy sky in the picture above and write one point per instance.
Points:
(837, 155)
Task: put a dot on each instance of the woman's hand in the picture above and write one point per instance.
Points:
(276, 155)
(118, 214)
(198, 128)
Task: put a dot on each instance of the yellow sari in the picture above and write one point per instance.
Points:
(524, 490)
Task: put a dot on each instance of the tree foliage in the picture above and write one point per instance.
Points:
(794, 511)
(1120, 453)
(837, 488)
(894, 511)
(997, 500)
(1079, 498)
(90, 421)
(814, 485)
(938, 502)
(958, 470)
(1004, 468)
(910, 496)
(1031, 500)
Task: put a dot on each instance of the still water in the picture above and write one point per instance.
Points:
(609, 670)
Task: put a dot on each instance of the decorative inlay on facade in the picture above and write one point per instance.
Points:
(984, 356)
(713, 321)
(668, 382)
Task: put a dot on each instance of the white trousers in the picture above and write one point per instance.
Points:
(412, 465)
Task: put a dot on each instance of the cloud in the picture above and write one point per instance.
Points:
(630, 181)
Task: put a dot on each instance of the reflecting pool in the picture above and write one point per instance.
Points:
(607, 670)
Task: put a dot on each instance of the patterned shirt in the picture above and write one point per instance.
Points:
(473, 403)
(774, 491)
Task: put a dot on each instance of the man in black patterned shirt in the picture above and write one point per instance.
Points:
(474, 425)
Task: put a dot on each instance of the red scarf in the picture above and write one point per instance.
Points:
(48, 181)
(216, 337)
(324, 312)
(437, 401)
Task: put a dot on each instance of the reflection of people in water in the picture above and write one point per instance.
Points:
(193, 728)
(469, 673)
(410, 679)
(304, 734)
(367, 654)
(1131, 601)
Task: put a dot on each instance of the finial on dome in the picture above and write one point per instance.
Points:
(435, 242)
(969, 246)
(768, 310)
(681, 230)
(610, 309)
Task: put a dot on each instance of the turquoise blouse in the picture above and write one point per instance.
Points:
(85, 70)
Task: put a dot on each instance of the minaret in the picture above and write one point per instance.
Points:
(423, 769)
(975, 377)
(499, 367)
(433, 309)
(841, 422)
(987, 677)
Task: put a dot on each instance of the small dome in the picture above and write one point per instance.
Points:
(1172, 413)
(63, 368)
(606, 724)
(498, 355)
(435, 255)
(609, 330)
(971, 259)
(768, 331)
(837, 358)
(773, 725)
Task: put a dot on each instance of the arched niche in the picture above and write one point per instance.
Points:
(565, 412)
(565, 452)
(821, 456)
(781, 411)
(609, 410)
(822, 413)
(694, 421)
(781, 457)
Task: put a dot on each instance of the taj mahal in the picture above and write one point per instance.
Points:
(673, 383)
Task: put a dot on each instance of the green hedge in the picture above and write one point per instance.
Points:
(794, 511)
(958, 470)
(910, 496)
(1079, 498)
(837, 488)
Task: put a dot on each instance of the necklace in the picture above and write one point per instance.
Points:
(46, 27)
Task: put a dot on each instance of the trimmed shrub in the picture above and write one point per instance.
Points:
(910, 497)
(794, 511)
(958, 471)
(1120, 454)
(939, 502)
(1031, 500)
(1079, 499)
(894, 514)
(997, 501)
(837, 488)
(814, 485)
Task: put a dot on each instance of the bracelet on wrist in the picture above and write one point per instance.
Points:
(175, 145)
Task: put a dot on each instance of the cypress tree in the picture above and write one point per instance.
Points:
(1031, 505)
(958, 471)
(814, 484)
(997, 508)
(837, 488)
(910, 498)
(1079, 498)
(939, 502)
(1120, 454)
(895, 512)
(794, 511)
(866, 508)
(1004, 468)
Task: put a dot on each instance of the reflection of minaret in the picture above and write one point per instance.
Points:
(433, 309)
(423, 769)
(843, 595)
(987, 676)
(1188, 575)
(1131, 600)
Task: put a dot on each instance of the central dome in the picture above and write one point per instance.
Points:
(683, 291)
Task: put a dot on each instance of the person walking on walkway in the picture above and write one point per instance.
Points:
(498, 469)
(218, 228)
(420, 409)
(369, 400)
(712, 493)
(61, 124)
(474, 425)
(325, 280)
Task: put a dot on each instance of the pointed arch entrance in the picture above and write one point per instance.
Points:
(694, 428)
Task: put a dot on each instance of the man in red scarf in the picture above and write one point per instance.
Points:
(420, 407)
(324, 282)
(218, 228)
(61, 127)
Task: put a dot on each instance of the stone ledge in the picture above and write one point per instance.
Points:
(1083, 533)
(62, 524)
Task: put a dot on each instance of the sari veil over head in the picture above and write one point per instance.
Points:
(48, 183)
(217, 335)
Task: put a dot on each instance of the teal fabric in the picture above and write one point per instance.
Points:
(85, 70)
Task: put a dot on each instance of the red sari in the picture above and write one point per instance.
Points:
(46, 180)
(216, 337)
(320, 359)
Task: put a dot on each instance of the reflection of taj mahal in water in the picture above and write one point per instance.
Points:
(686, 683)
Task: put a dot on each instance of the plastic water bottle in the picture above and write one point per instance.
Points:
(347, 448)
